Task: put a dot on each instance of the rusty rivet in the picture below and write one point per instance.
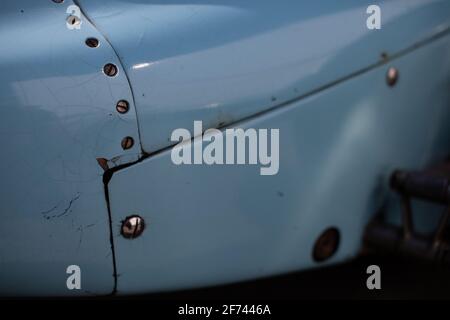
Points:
(326, 245)
(392, 76)
(110, 69)
(132, 227)
(127, 143)
(122, 106)
(103, 163)
(92, 42)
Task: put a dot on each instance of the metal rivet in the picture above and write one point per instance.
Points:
(122, 106)
(92, 42)
(392, 76)
(132, 227)
(326, 245)
(73, 20)
(58, 1)
(110, 69)
(127, 143)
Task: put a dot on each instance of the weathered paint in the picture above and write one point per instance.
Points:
(221, 61)
(57, 117)
(216, 224)
(218, 62)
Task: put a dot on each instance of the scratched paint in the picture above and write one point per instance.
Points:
(223, 61)
(338, 149)
(58, 117)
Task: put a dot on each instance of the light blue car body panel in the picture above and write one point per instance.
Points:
(221, 61)
(312, 70)
(222, 223)
(58, 117)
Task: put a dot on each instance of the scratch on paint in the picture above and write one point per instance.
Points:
(64, 212)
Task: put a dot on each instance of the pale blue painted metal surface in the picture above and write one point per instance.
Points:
(218, 224)
(216, 61)
(220, 61)
(57, 116)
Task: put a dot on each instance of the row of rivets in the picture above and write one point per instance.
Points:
(111, 70)
(132, 226)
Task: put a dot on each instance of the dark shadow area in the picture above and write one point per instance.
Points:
(400, 279)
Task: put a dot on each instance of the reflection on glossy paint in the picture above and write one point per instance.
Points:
(243, 53)
(143, 65)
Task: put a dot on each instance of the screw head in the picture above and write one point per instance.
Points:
(92, 42)
(127, 143)
(73, 20)
(326, 245)
(110, 69)
(132, 227)
(122, 106)
(392, 76)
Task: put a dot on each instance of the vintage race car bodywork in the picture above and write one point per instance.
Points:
(312, 70)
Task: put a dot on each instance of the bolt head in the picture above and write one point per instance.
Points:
(73, 20)
(132, 227)
(326, 245)
(92, 42)
(127, 143)
(122, 106)
(392, 76)
(110, 69)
